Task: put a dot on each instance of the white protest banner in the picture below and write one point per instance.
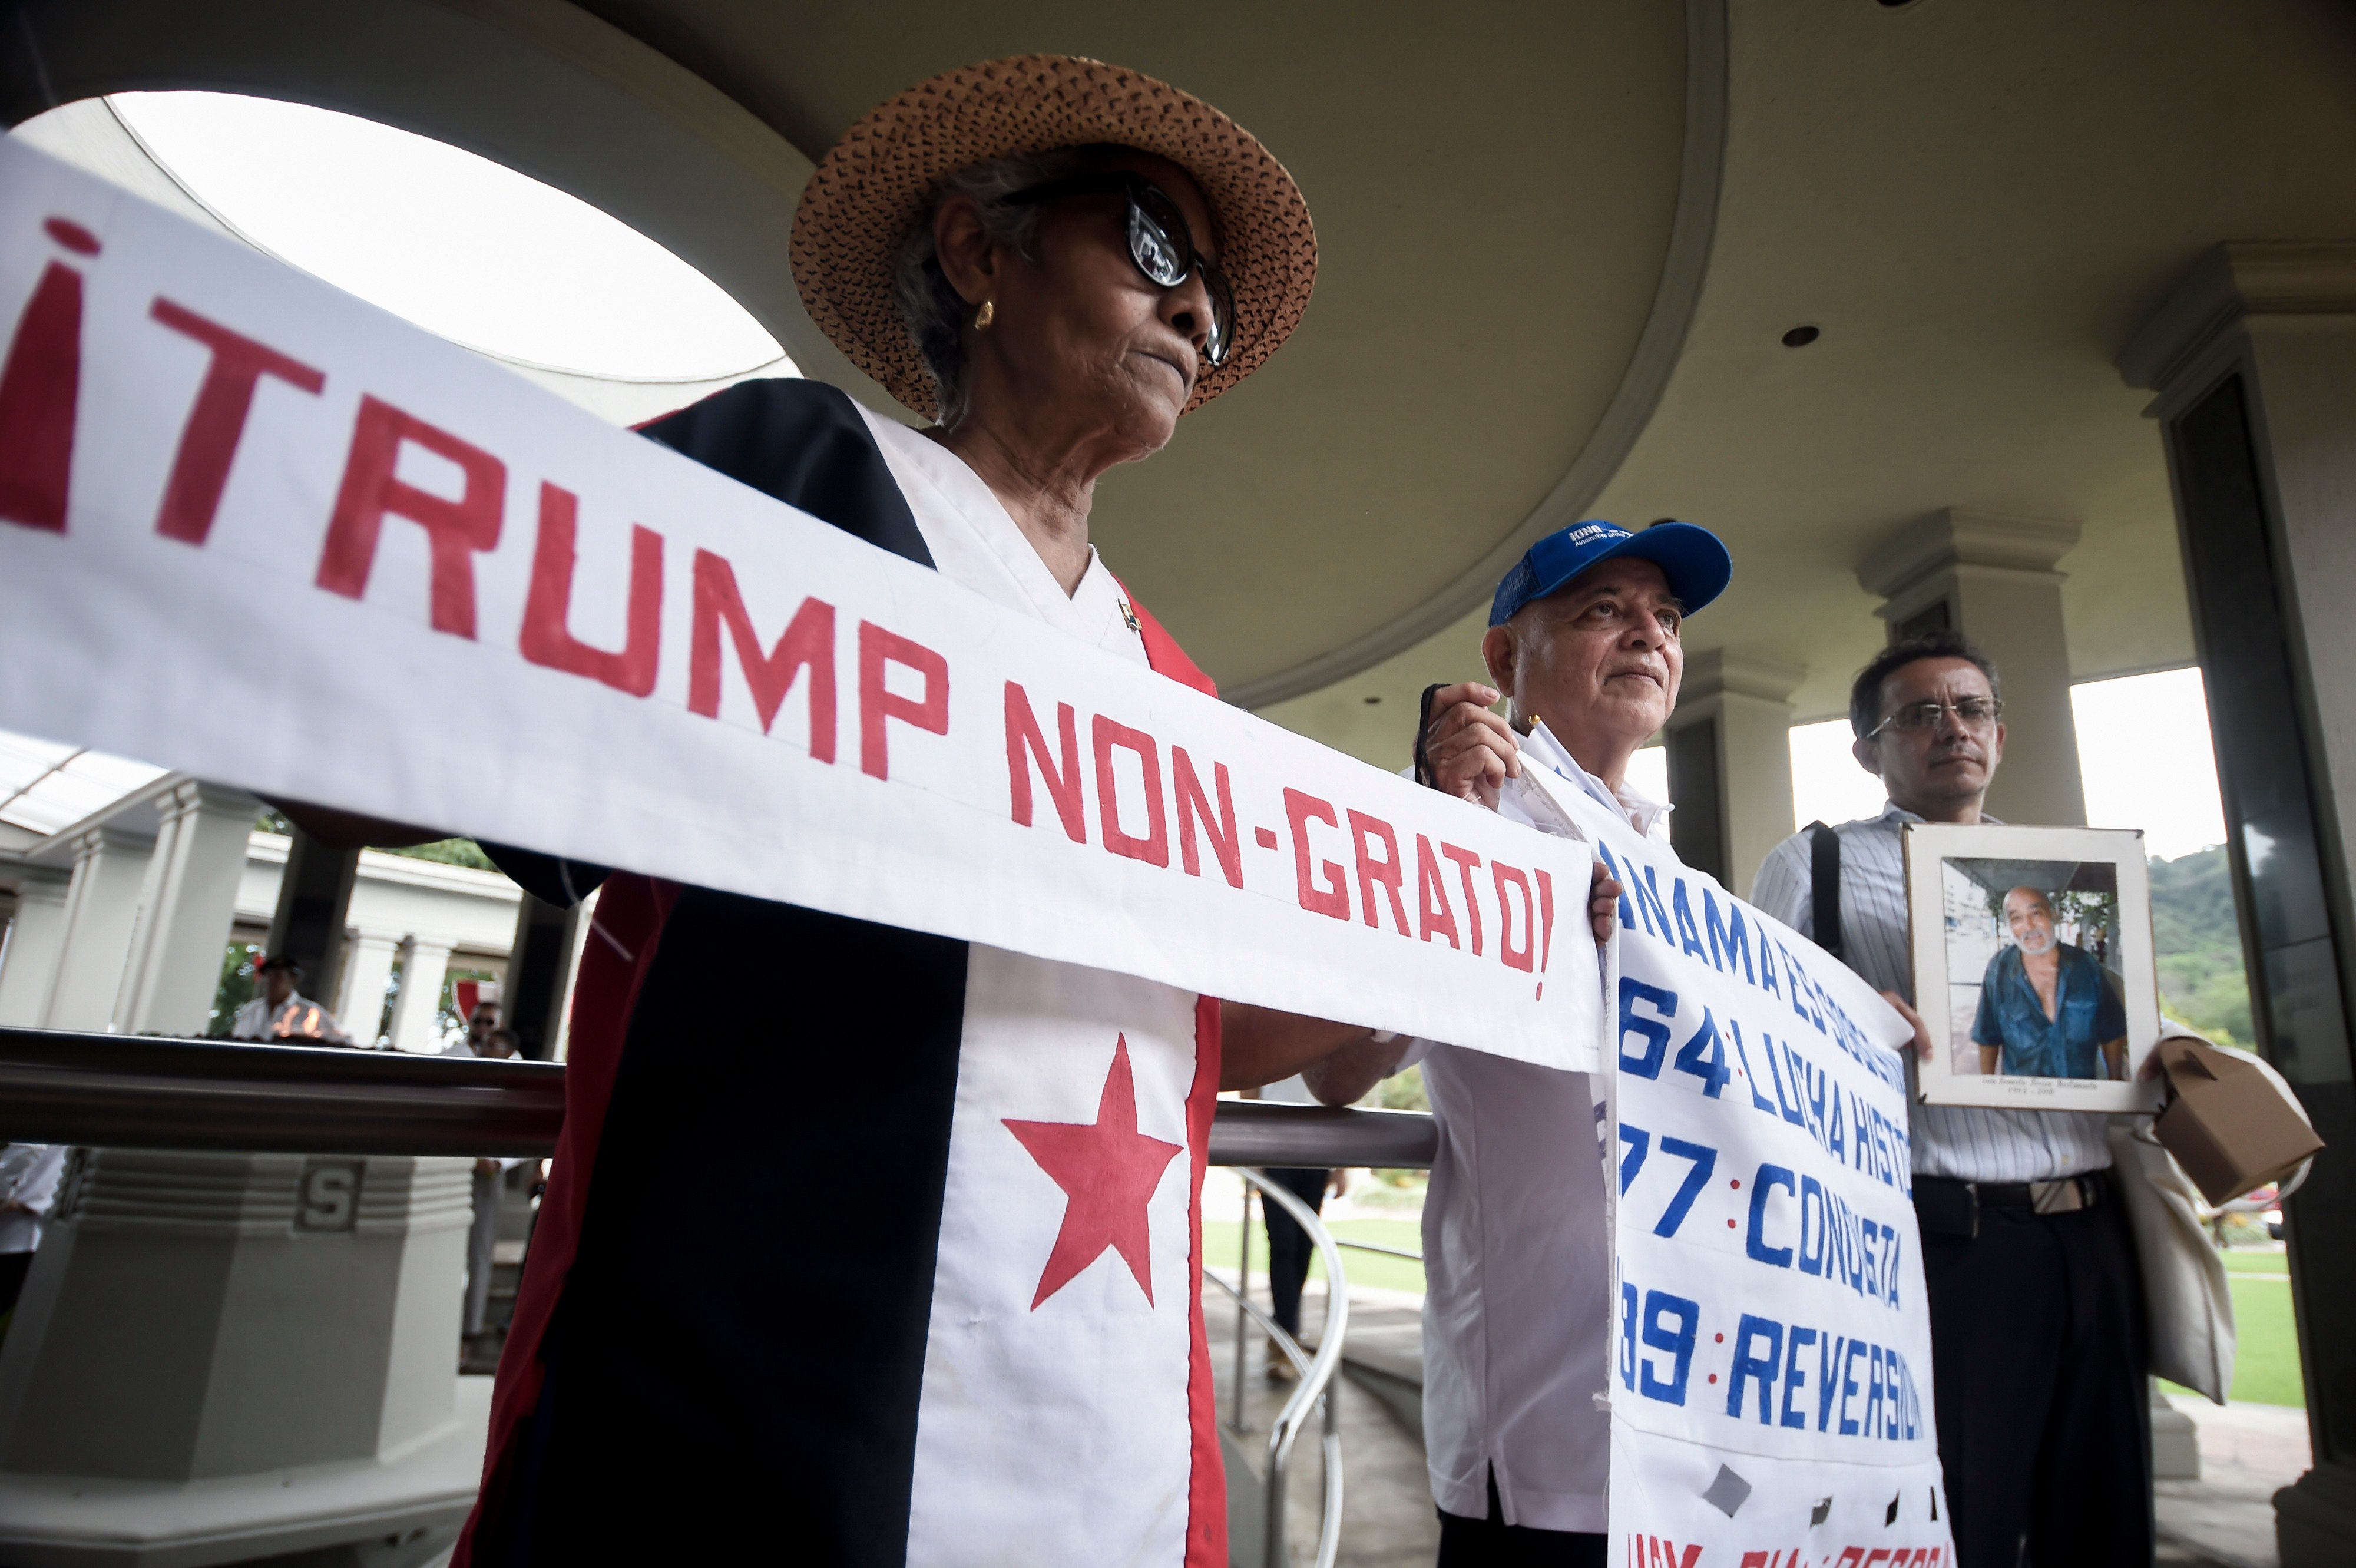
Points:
(1771, 1405)
(253, 529)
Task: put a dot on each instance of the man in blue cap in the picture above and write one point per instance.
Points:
(1585, 647)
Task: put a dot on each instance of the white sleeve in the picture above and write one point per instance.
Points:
(37, 1185)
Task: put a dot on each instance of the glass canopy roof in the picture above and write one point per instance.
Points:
(45, 786)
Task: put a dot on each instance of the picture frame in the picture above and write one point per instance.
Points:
(2033, 966)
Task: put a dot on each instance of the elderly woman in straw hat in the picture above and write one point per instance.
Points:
(932, 1295)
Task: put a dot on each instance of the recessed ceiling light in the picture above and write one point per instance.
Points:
(1801, 337)
(1373, 700)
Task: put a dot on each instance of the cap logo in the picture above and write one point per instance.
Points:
(1587, 530)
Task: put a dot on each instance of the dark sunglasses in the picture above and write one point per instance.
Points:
(1160, 243)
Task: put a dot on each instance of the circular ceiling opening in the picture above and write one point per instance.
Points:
(1801, 337)
(458, 244)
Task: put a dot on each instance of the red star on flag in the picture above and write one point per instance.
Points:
(1108, 1171)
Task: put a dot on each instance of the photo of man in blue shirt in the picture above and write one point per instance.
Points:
(2046, 1011)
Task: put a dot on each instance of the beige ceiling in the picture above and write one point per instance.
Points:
(1976, 203)
(1493, 188)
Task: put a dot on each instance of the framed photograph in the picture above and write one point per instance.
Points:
(2033, 966)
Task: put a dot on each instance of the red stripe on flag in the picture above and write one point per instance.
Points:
(630, 913)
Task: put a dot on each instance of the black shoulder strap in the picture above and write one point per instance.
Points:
(804, 442)
(1823, 887)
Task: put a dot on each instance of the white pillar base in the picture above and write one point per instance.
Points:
(418, 1498)
(2175, 1442)
(224, 1357)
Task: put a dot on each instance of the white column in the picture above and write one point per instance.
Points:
(35, 940)
(425, 961)
(102, 905)
(1993, 579)
(368, 965)
(1730, 762)
(187, 902)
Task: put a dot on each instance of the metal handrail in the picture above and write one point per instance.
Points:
(137, 1092)
(1316, 1377)
(1377, 1247)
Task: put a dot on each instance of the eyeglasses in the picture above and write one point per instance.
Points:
(1974, 712)
(1160, 243)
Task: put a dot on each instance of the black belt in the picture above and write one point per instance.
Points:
(1944, 1206)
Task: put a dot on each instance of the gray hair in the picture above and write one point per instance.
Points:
(935, 312)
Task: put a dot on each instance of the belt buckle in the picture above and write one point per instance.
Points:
(2064, 1196)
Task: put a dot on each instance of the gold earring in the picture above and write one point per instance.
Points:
(985, 315)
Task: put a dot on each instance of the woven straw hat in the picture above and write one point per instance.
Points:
(872, 184)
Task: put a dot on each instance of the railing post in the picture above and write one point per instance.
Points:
(1243, 1288)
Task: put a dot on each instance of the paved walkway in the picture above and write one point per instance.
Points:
(2227, 1517)
(1386, 1518)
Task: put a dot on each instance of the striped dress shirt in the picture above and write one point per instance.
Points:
(1968, 1142)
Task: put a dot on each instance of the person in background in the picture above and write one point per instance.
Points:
(2045, 1009)
(283, 1015)
(480, 1025)
(2037, 1325)
(490, 1175)
(29, 1176)
(1585, 644)
(1289, 1247)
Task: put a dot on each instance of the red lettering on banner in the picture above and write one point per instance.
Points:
(1333, 896)
(1390, 870)
(1432, 914)
(878, 704)
(1154, 847)
(39, 386)
(548, 639)
(1879, 1555)
(1546, 922)
(1851, 1555)
(1465, 861)
(807, 643)
(454, 529)
(1220, 830)
(216, 420)
(1024, 741)
(1524, 958)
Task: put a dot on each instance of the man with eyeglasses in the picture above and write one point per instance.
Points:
(2036, 1326)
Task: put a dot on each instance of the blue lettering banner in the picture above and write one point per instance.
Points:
(1771, 1365)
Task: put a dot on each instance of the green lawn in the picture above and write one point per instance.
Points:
(1365, 1268)
(2265, 1361)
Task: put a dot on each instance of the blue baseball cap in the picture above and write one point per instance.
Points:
(1696, 563)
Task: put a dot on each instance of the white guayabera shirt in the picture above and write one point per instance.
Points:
(1517, 1254)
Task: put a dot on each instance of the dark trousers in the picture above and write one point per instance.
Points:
(1287, 1243)
(1493, 1543)
(2038, 1350)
